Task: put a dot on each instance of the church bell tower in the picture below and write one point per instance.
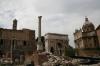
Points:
(14, 24)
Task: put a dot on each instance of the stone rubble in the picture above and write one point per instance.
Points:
(57, 61)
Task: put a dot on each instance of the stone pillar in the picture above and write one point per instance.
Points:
(39, 44)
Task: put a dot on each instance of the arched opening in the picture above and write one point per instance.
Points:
(1, 53)
(52, 50)
(59, 48)
(59, 45)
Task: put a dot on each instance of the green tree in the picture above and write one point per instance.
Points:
(69, 51)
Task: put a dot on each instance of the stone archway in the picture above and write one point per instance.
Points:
(52, 50)
(59, 48)
(59, 45)
(1, 53)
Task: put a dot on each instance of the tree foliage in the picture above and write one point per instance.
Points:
(69, 51)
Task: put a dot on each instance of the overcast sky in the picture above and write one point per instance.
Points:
(59, 16)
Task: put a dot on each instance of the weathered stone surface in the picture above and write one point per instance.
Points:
(57, 60)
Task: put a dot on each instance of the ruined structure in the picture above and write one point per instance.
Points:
(56, 43)
(39, 57)
(39, 43)
(17, 44)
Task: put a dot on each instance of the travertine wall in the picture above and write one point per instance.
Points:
(89, 53)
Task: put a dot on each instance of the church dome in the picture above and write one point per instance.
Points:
(88, 26)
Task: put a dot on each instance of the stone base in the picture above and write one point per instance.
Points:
(39, 57)
(88, 53)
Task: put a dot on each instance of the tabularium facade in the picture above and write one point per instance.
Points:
(17, 44)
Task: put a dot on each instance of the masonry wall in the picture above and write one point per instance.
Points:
(98, 34)
(21, 41)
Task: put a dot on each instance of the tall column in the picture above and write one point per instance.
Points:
(39, 44)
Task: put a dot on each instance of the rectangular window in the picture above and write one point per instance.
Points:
(1, 42)
(24, 43)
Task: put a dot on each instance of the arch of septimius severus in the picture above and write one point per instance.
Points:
(56, 43)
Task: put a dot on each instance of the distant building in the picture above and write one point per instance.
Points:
(86, 41)
(16, 43)
(56, 43)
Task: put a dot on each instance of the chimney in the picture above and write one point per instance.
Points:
(14, 24)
